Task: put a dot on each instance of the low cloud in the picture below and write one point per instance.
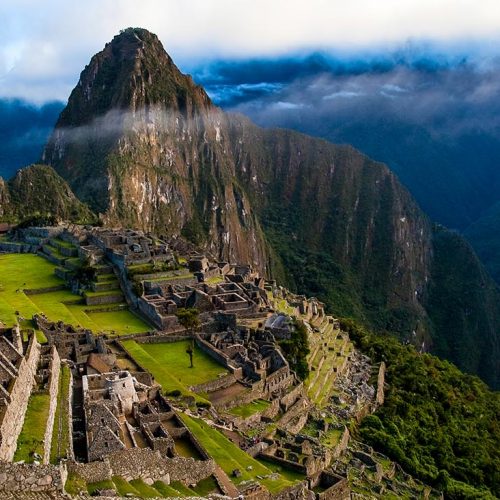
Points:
(447, 97)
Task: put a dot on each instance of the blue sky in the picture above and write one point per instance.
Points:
(45, 44)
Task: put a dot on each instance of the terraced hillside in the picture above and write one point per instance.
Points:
(29, 285)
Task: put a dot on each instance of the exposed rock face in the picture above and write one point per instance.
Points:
(144, 145)
(4, 198)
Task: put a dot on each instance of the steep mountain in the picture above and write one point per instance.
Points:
(37, 190)
(484, 235)
(144, 145)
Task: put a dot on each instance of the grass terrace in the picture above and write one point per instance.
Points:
(250, 409)
(26, 271)
(61, 435)
(230, 457)
(30, 441)
(169, 364)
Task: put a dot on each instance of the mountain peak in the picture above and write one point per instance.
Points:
(133, 71)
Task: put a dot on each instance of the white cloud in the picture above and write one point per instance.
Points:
(53, 40)
(343, 94)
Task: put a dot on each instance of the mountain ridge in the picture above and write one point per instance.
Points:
(146, 147)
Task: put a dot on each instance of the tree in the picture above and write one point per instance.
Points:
(189, 319)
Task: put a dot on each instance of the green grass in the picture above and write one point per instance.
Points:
(206, 486)
(74, 484)
(100, 485)
(30, 440)
(214, 280)
(143, 489)
(332, 437)
(27, 271)
(229, 456)
(61, 434)
(168, 491)
(169, 364)
(249, 409)
(63, 243)
(289, 474)
(183, 490)
(123, 487)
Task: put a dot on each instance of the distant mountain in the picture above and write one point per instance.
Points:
(145, 146)
(24, 130)
(484, 235)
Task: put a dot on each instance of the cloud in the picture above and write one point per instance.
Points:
(445, 99)
(46, 44)
(342, 94)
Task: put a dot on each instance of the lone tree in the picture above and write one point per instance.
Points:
(189, 319)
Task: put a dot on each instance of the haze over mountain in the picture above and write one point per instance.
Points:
(144, 146)
(431, 116)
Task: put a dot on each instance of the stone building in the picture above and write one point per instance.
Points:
(108, 398)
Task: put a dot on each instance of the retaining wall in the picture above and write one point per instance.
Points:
(55, 371)
(145, 464)
(31, 478)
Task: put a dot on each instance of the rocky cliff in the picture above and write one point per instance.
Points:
(144, 145)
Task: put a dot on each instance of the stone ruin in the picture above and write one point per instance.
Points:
(160, 301)
(72, 343)
(127, 247)
(108, 398)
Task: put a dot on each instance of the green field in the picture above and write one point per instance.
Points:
(250, 408)
(169, 364)
(30, 440)
(229, 457)
(27, 271)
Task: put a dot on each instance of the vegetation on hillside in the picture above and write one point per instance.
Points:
(464, 308)
(38, 192)
(439, 424)
(296, 350)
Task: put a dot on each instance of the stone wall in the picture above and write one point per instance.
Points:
(15, 247)
(298, 408)
(12, 417)
(94, 300)
(47, 289)
(29, 477)
(291, 397)
(379, 398)
(146, 464)
(55, 371)
(91, 472)
(71, 452)
(215, 385)
(342, 444)
(297, 492)
(213, 352)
